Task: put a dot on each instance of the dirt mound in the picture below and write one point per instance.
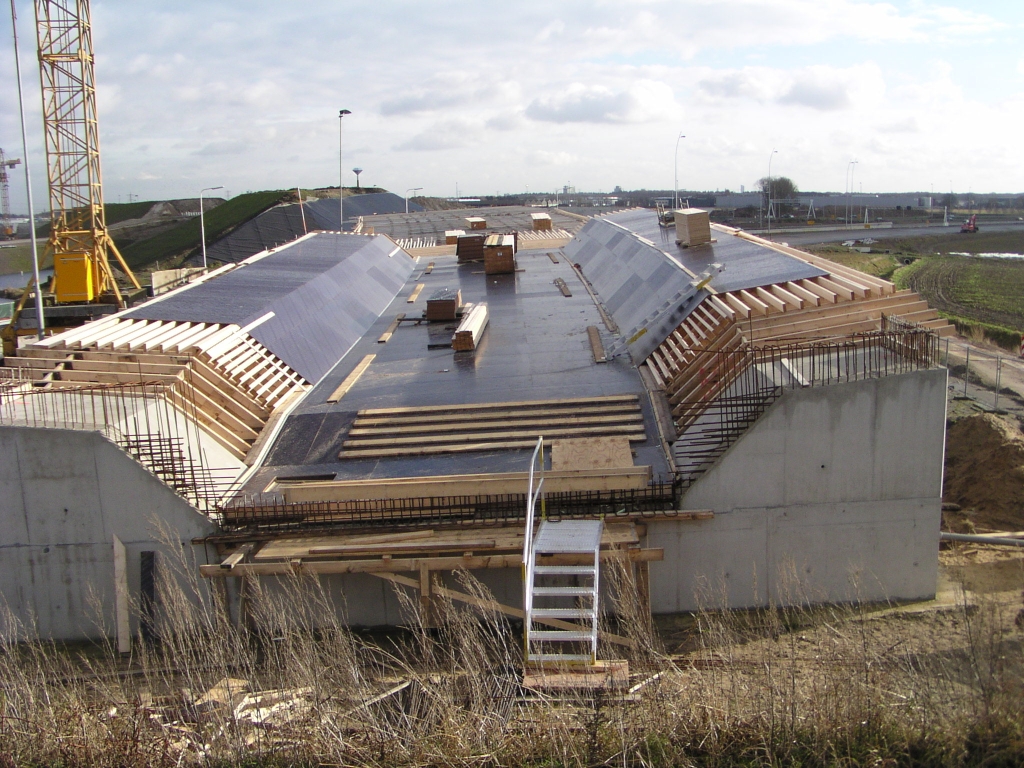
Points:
(985, 471)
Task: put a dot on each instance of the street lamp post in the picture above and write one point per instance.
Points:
(202, 220)
(412, 189)
(40, 316)
(849, 188)
(774, 152)
(675, 199)
(341, 174)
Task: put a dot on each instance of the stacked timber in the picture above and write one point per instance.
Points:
(425, 430)
(451, 236)
(693, 227)
(469, 248)
(444, 304)
(500, 254)
(476, 222)
(472, 327)
(541, 222)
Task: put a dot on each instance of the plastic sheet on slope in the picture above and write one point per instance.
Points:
(324, 292)
(327, 214)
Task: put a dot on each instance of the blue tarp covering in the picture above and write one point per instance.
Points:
(324, 292)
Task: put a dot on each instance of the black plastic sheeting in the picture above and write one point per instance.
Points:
(325, 292)
(327, 211)
(646, 281)
(270, 229)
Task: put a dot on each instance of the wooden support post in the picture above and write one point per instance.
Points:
(643, 588)
(426, 601)
(121, 616)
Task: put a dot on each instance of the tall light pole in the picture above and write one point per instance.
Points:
(202, 220)
(849, 194)
(675, 200)
(774, 152)
(40, 319)
(341, 174)
(412, 189)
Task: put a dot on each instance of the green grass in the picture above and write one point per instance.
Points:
(181, 240)
(18, 258)
(989, 291)
(877, 264)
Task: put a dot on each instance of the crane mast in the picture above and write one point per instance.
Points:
(79, 239)
(6, 228)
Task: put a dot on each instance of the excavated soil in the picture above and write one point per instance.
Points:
(985, 474)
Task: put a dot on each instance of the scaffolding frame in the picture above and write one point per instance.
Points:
(72, 140)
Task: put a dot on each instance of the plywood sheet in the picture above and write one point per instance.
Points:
(591, 453)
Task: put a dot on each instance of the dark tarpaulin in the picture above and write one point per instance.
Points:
(270, 229)
(327, 210)
(324, 292)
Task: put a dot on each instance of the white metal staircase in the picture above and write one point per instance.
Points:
(568, 591)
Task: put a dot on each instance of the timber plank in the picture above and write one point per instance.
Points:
(511, 404)
(351, 379)
(452, 448)
(502, 435)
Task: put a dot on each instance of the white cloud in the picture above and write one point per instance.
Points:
(247, 94)
(643, 101)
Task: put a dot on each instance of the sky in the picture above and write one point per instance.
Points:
(494, 98)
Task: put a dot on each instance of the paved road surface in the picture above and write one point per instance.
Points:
(814, 238)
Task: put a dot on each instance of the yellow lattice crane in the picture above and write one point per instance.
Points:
(79, 241)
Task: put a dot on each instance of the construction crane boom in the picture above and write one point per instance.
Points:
(79, 239)
(6, 227)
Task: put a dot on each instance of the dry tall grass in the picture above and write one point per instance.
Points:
(821, 686)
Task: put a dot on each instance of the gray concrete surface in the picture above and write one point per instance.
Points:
(833, 495)
(64, 495)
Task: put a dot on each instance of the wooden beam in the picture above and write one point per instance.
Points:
(472, 425)
(596, 347)
(493, 605)
(510, 434)
(840, 290)
(386, 336)
(771, 300)
(415, 293)
(736, 303)
(627, 478)
(351, 379)
(803, 293)
(237, 556)
(753, 302)
(510, 415)
(791, 299)
(512, 404)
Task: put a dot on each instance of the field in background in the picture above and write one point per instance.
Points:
(983, 296)
(171, 246)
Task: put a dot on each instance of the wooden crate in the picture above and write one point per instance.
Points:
(470, 248)
(476, 222)
(499, 254)
(451, 236)
(541, 222)
(444, 304)
(693, 227)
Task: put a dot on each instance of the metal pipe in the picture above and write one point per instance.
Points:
(40, 318)
(999, 370)
(967, 373)
(975, 539)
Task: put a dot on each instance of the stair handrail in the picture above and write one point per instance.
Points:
(536, 461)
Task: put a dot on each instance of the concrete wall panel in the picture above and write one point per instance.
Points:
(833, 495)
(64, 494)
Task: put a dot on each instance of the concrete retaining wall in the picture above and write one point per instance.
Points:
(833, 495)
(64, 495)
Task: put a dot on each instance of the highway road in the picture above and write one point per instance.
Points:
(814, 238)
